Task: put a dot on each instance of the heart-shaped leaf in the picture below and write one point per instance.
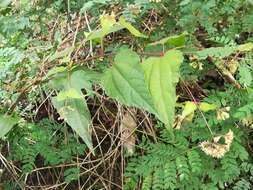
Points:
(162, 75)
(125, 81)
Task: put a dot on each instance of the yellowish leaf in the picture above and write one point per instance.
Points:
(205, 107)
(245, 47)
(131, 28)
(107, 21)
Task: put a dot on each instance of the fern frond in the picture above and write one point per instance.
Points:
(242, 184)
(239, 151)
(147, 182)
(230, 168)
(247, 167)
(194, 161)
(182, 168)
(223, 40)
(170, 175)
(158, 179)
(217, 52)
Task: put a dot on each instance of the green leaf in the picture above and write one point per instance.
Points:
(85, 75)
(87, 6)
(162, 75)
(70, 103)
(70, 93)
(100, 33)
(205, 107)
(108, 25)
(75, 112)
(177, 40)
(189, 109)
(131, 28)
(107, 21)
(184, 2)
(245, 75)
(125, 81)
(90, 4)
(55, 70)
(79, 78)
(6, 123)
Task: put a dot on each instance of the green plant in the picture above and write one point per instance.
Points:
(181, 69)
(47, 140)
(180, 165)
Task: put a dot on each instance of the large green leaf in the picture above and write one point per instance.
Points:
(75, 112)
(125, 81)
(70, 103)
(79, 78)
(162, 75)
(6, 123)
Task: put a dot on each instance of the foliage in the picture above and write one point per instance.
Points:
(184, 166)
(162, 75)
(69, 101)
(40, 140)
(181, 69)
(125, 81)
(6, 124)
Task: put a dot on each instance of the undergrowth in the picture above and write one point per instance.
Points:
(126, 94)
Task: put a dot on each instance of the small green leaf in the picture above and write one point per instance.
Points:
(177, 40)
(162, 75)
(96, 34)
(125, 82)
(85, 75)
(100, 33)
(108, 25)
(55, 70)
(189, 109)
(245, 75)
(87, 6)
(131, 28)
(107, 21)
(6, 124)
